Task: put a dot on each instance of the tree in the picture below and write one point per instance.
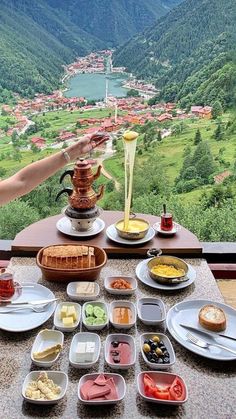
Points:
(133, 93)
(218, 134)
(217, 109)
(198, 137)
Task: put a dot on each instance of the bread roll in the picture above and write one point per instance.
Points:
(69, 257)
(212, 318)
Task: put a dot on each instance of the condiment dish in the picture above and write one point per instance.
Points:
(169, 348)
(120, 337)
(44, 340)
(151, 317)
(110, 279)
(59, 378)
(82, 338)
(119, 383)
(162, 379)
(101, 305)
(71, 292)
(125, 305)
(58, 322)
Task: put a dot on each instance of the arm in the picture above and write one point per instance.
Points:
(32, 175)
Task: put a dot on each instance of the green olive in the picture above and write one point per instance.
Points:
(146, 348)
(156, 339)
(159, 352)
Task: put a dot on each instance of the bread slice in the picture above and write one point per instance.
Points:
(69, 257)
(212, 318)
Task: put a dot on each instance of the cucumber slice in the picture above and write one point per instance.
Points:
(90, 320)
(98, 312)
(89, 310)
(98, 321)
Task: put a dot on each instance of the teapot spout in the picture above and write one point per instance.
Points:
(100, 192)
(97, 174)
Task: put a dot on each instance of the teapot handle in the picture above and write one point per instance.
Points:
(154, 252)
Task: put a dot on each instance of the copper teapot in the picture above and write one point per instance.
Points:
(82, 196)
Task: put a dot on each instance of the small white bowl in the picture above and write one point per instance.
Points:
(58, 322)
(99, 304)
(121, 303)
(169, 348)
(45, 339)
(120, 386)
(162, 379)
(84, 337)
(132, 281)
(71, 292)
(58, 377)
(120, 337)
(157, 301)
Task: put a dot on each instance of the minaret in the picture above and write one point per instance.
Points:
(106, 94)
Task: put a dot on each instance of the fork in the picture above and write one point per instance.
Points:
(203, 344)
(37, 309)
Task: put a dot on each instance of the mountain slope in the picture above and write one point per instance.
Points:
(185, 49)
(113, 21)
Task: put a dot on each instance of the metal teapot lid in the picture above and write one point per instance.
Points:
(83, 164)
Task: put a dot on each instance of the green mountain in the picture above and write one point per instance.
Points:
(113, 21)
(188, 53)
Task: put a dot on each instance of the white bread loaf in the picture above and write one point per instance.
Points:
(68, 257)
(212, 318)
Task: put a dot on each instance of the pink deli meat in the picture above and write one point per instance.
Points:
(100, 389)
(120, 353)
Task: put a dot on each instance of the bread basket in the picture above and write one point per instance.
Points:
(76, 274)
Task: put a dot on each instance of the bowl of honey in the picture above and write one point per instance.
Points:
(123, 314)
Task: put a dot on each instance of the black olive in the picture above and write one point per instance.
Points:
(150, 342)
(146, 341)
(149, 356)
(115, 344)
(161, 343)
(116, 360)
(160, 361)
(166, 360)
(153, 360)
(154, 346)
(162, 347)
(166, 353)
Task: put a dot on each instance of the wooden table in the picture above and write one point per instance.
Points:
(211, 384)
(43, 233)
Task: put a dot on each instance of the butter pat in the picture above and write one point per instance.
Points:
(63, 312)
(68, 321)
(71, 312)
(85, 288)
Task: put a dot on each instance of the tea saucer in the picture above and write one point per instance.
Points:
(157, 228)
(114, 236)
(64, 226)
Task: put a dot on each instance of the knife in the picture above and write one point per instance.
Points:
(6, 303)
(195, 329)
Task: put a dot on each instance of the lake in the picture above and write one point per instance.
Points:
(93, 86)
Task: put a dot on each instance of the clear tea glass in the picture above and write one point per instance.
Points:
(7, 286)
(166, 221)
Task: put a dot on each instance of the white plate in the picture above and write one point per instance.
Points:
(144, 277)
(113, 235)
(23, 320)
(152, 300)
(157, 228)
(161, 378)
(119, 383)
(186, 312)
(71, 292)
(169, 348)
(84, 337)
(110, 279)
(64, 226)
(121, 303)
(45, 339)
(58, 322)
(58, 377)
(96, 326)
(120, 337)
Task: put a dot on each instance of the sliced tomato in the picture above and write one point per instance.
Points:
(148, 381)
(176, 390)
(164, 395)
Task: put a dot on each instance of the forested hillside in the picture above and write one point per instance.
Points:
(113, 21)
(188, 52)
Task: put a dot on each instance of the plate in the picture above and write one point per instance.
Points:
(64, 226)
(157, 228)
(46, 339)
(113, 235)
(189, 310)
(144, 277)
(23, 320)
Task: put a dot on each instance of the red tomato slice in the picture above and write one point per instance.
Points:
(148, 381)
(164, 395)
(176, 390)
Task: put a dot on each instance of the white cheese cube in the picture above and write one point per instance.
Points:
(90, 351)
(80, 352)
